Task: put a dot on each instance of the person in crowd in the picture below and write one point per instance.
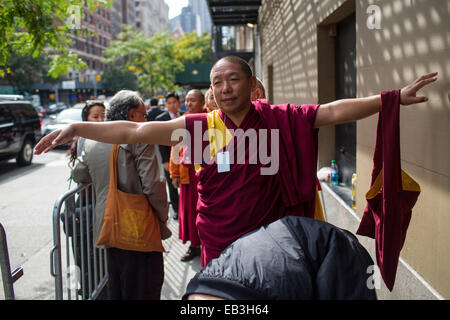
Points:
(132, 274)
(259, 92)
(293, 258)
(235, 197)
(172, 104)
(94, 110)
(154, 110)
(210, 103)
(183, 177)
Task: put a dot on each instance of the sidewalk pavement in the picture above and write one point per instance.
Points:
(38, 284)
(177, 274)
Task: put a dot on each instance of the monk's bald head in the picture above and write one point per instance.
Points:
(198, 93)
(194, 101)
(234, 59)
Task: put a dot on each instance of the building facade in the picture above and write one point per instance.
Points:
(200, 8)
(151, 16)
(194, 17)
(316, 52)
(97, 29)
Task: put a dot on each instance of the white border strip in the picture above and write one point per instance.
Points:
(407, 266)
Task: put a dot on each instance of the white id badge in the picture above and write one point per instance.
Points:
(223, 161)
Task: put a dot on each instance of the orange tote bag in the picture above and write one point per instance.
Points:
(129, 222)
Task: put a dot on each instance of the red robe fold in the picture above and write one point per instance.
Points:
(187, 230)
(233, 203)
(388, 211)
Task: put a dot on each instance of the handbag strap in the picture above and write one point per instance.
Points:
(114, 155)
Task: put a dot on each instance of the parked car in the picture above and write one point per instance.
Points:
(20, 129)
(41, 111)
(61, 120)
(56, 108)
(79, 105)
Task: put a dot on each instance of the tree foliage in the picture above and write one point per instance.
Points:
(193, 48)
(115, 79)
(33, 27)
(156, 60)
(22, 70)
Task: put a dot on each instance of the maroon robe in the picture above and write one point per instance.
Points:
(388, 211)
(231, 204)
(187, 230)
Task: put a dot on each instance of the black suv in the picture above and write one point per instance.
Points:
(20, 130)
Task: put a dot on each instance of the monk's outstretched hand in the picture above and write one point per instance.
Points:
(408, 95)
(54, 139)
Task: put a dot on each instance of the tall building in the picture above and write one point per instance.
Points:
(188, 19)
(151, 16)
(122, 12)
(90, 48)
(194, 17)
(200, 8)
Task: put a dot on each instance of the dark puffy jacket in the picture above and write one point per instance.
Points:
(291, 258)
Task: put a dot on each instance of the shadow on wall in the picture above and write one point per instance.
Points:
(413, 38)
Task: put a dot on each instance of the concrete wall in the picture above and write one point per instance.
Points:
(297, 45)
(414, 39)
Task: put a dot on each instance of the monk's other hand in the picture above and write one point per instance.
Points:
(408, 95)
(54, 139)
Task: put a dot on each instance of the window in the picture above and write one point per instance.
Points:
(237, 38)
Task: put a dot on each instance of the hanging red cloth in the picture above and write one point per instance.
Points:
(392, 194)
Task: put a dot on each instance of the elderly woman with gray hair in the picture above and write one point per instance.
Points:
(132, 274)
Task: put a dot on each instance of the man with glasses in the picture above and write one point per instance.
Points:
(172, 104)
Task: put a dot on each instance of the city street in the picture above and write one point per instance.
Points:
(354, 95)
(27, 198)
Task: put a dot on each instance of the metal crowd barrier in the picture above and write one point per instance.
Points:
(8, 278)
(83, 275)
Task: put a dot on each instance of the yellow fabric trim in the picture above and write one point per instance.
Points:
(219, 135)
(408, 184)
(318, 212)
(217, 131)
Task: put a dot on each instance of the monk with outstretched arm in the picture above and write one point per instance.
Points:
(235, 197)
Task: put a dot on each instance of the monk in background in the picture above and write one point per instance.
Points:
(183, 177)
(210, 103)
(259, 92)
